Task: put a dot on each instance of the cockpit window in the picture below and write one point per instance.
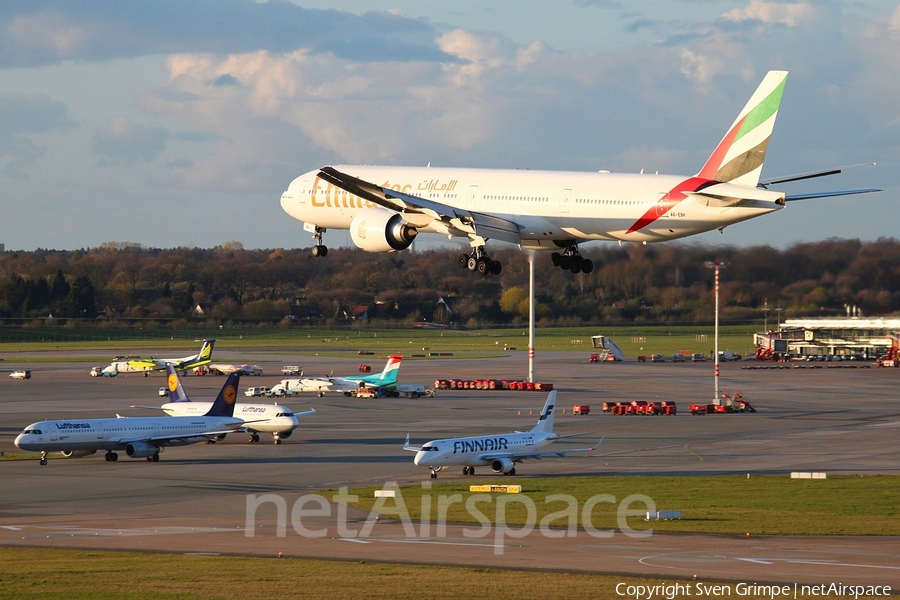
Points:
(34, 431)
(434, 449)
(287, 413)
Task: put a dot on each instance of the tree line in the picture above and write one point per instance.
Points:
(120, 284)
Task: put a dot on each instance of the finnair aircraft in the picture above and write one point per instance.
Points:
(278, 420)
(345, 385)
(186, 363)
(385, 208)
(500, 452)
(139, 437)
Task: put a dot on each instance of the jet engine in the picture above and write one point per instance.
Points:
(285, 434)
(502, 465)
(140, 450)
(77, 453)
(381, 230)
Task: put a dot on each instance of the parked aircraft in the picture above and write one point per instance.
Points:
(139, 437)
(500, 452)
(346, 385)
(385, 208)
(226, 369)
(278, 420)
(146, 365)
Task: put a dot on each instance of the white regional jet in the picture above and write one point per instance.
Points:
(501, 452)
(384, 208)
(278, 420)
(346, 385)
(140, 437)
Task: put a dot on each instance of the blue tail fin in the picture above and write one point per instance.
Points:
(224, 404)
(173, 385)
(545, 422)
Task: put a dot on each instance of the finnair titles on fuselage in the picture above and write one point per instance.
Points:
(500, 452)
(385, 208)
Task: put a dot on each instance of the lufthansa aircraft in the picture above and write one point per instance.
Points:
(139, 437)
(385, 208)
(345, 385)
(186, 363)
(500, 452)
(278, 420)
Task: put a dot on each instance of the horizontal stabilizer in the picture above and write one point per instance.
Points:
(792, 197)
(812, 174)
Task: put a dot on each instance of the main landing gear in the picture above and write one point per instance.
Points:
(43, 457)
(468, 470)
(111, 457)
(479, 262)
(319, 249)
(154, 458)
(571, 260)
(253, 438)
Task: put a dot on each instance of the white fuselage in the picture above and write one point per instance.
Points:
(268, 418)
(115, 434)
(546, 205)
(469, 450)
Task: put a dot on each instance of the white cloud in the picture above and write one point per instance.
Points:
(789, 14)
(124, 141)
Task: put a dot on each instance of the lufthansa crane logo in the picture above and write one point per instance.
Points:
(229, 394)
(172, 382)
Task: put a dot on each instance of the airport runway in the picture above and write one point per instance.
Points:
(195, 498)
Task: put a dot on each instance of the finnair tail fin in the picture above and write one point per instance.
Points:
(224, 403)
(173, 385)
(545, 421)
(739, 156)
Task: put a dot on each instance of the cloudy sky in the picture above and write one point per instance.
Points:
(180, 122)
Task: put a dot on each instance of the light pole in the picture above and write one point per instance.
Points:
(531, 317)
(716, 265)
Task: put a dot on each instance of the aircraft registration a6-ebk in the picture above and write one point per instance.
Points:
(385, 208)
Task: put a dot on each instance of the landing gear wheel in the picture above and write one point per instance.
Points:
(496, 267)
(319, 250)
(465, 470)
(482, 266)
(155, 458)
(555, 258)
(587, 266)
(113, 456)
(277, 441)
(43, 462)
(565, 262)
(512, 471)
(575, 265)
(472, 263)
(433, 475)
(463, 260)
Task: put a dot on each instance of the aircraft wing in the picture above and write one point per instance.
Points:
(421, 211)
(305, 413)
(158, 440)
(518, 456)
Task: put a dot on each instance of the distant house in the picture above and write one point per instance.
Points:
(198, 312)
(359, 312)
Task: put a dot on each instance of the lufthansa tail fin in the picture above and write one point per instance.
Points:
(173, 386)
(739, 156)
(224, 403)
(545, 421)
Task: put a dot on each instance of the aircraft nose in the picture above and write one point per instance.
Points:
(418, 458)
(20, 439)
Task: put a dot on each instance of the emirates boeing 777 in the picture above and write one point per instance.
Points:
(385, 208)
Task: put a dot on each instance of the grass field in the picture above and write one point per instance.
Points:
(760, 505)
(33, 573)
(633, 340)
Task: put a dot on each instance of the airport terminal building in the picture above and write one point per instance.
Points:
(850, 338)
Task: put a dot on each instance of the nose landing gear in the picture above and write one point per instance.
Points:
(319, 249)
